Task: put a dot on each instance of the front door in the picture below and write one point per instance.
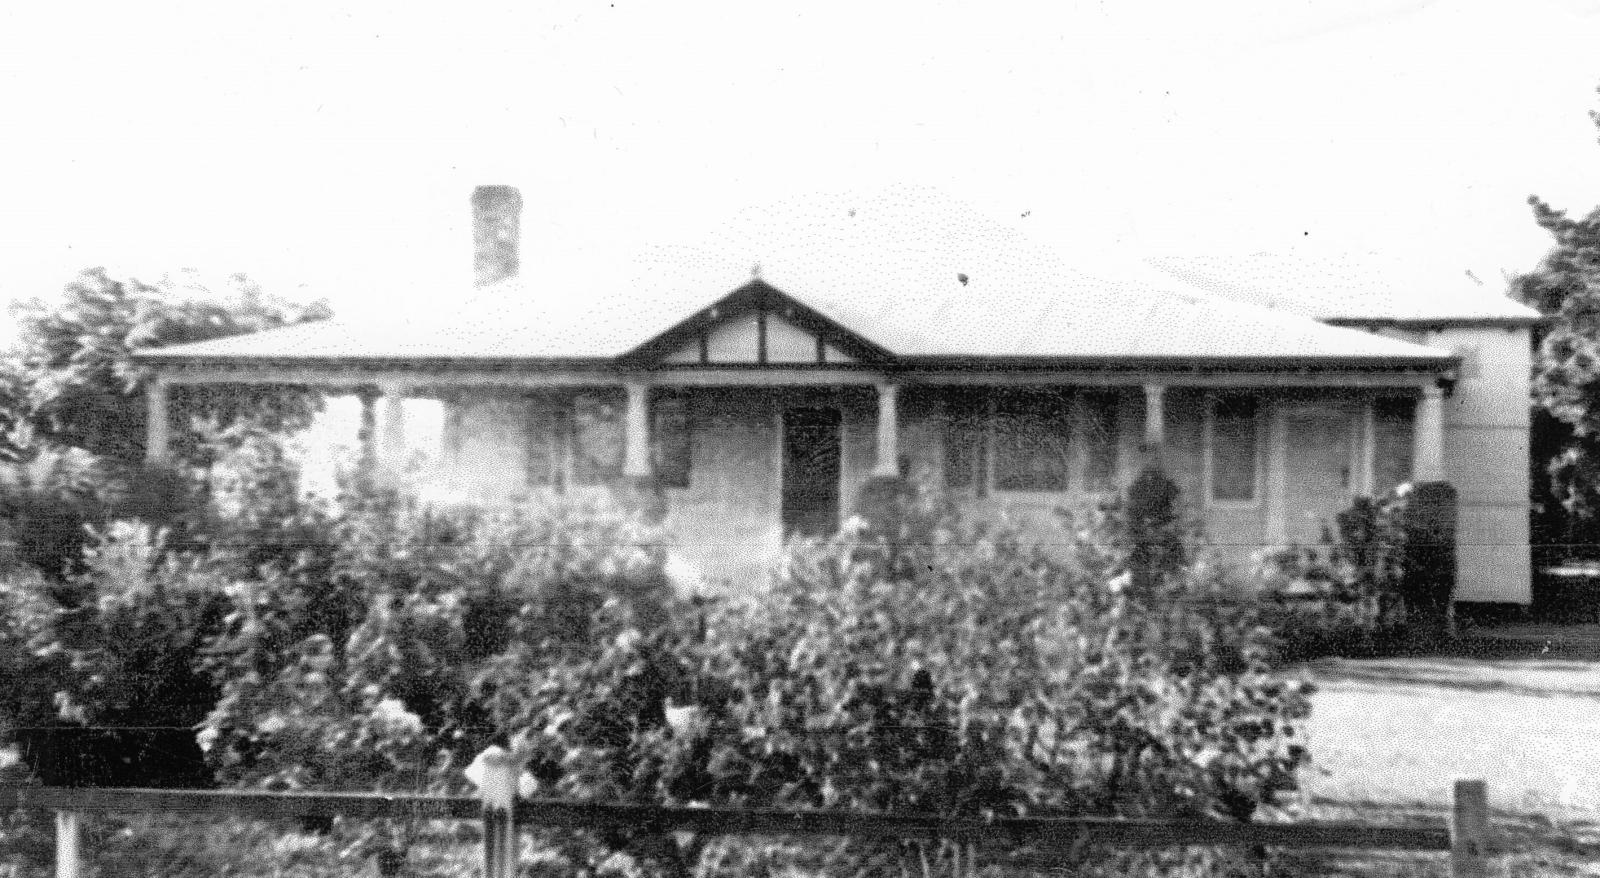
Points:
(1320, 463)
(810, 472)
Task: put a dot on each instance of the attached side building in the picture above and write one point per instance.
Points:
(1487, 412)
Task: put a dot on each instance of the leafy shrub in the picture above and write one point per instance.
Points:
(433, 597)
(51, 502)
(914, 662)
(105, 617)
(1344, 597)
(113, 688)
(1143, 533)
(982, 676)
(894, 513)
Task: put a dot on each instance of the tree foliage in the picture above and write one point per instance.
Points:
(75, 383)
(108, 686)
(1565, 288)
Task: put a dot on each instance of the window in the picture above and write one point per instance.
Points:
(596, 438)
(1023, 440)
(575, 440)
(546, 443)
(966, 464)
(1392, 426)
(1233, 447)
(1100, 441)
(671, 443)
(1030, 441)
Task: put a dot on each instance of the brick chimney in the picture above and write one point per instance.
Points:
(496, 229)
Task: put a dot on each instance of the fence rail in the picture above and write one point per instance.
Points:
(1466, 837)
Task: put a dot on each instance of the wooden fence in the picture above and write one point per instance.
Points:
(1465, 838)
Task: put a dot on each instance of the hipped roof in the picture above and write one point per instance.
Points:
(916, 275)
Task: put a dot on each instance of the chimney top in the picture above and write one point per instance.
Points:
(496, 230)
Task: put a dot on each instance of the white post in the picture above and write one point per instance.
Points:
(888, 430)
(1366, 474)
(1469, 829)
(69, 856)
(1277, 498)
(1155, 417)
(495, 772)
(636, 444)
(450, 433)
(367, 432)
(157, 426)
(392, 445)
(1427, 458)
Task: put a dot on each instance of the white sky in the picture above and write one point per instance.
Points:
(332, 150)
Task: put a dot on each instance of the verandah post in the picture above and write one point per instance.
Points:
(69, 833)
(497, 790)
(1469, 829)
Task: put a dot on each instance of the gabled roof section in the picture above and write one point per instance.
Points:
(770, 305)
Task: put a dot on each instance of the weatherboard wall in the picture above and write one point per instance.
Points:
(726, 523)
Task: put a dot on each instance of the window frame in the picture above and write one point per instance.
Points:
(1208, 453)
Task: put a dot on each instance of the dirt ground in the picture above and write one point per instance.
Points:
(1519, 707)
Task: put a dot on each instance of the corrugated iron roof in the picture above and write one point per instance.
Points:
(910, 271)
(1353, 287)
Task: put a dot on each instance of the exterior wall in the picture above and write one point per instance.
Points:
(1486, 458)
(486, 457)
(727, 523)
(1237, 531)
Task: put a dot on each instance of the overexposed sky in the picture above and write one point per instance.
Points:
(330, 149)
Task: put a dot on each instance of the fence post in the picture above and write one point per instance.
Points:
(497, 790)
(69, 833)
(1469, 829)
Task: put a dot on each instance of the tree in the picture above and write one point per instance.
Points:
(1565, 288)
(78, 385)
(13, 394)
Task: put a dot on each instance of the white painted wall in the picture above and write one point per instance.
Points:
(1486, 458)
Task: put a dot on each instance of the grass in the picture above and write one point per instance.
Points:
(1519, 708)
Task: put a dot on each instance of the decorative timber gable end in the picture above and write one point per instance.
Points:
(758, 325)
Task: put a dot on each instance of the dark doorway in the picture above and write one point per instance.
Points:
(810, 472)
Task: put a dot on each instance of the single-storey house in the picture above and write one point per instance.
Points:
(758, 381)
